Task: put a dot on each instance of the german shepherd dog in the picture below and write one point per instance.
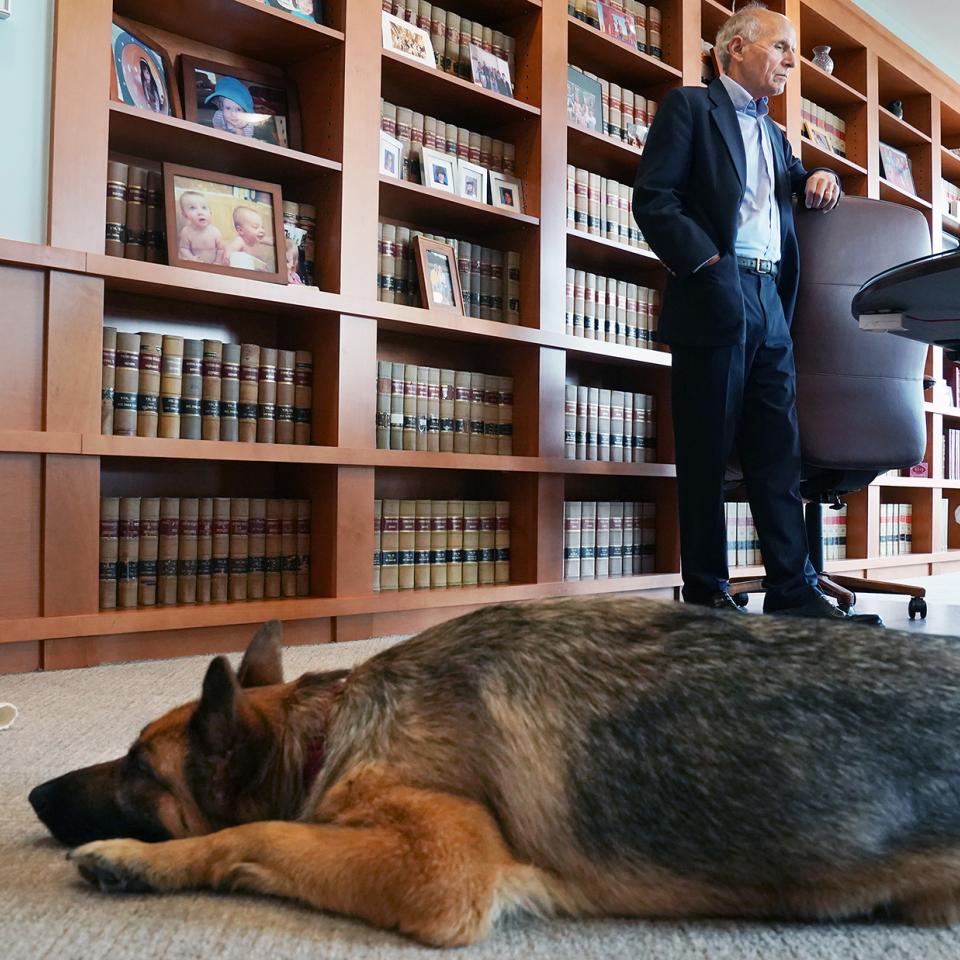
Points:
(587, 757)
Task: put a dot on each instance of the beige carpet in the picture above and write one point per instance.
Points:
(72, 718)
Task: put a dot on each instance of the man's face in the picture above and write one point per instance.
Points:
(761, 66)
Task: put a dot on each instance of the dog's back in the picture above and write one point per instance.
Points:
(624, 736)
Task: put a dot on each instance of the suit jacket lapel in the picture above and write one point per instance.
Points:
(725, 117)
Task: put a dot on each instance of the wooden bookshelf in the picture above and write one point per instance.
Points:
(54, 463)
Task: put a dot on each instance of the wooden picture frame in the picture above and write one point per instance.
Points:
(438, 171)
(896, 168)
(439, 275)
(223, 215)
(620, 26)
(471, 181)
(129, 88)
(506, 192)
(249, 83)
(584, 101)
(407, 40)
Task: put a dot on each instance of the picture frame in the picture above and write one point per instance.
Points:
(439, 276)
(407, 40)
(896, 168)
(584, 100)
(141, 73)
(391, 156)
(224, 224)
(817, 136)
(616, 24)
(490, 71)
(264, 106)
(471, 181)
(310, 10)
(506, 192)
(438, 171)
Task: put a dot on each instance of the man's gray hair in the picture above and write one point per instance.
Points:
(744, 23)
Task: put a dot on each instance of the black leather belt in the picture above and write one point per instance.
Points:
(759, 266)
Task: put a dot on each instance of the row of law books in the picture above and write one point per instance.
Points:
(951, 454)
(834, 534)
(625, 115)
(451, 35)
(163, 385)
(629, 21)
(743, 544)
(440, 544)
(415, 130)
(605, 308)
(608, 539)
(602, 207)
(609, 425)
(160, 551)
(134, 216)
(489, 278)
(825, 128)
(896, 529)
(425, 408)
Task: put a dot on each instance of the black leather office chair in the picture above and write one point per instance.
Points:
(859, 393)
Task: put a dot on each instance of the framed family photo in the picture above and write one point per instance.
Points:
(391, 156)
(584, 100)
(490, 71)
(439, 277)
(614, 23)
(407, 39)
(311, 10)
(224, 224)
(142, 73)
(438, 170)
(506, 191)
(471, 181)
(245, 103)
(896, 168)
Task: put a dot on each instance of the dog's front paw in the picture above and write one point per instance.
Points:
(113, 866)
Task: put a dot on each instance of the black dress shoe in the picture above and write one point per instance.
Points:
(821, 608)
(720, 601)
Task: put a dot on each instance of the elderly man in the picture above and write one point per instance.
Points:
(713, 199)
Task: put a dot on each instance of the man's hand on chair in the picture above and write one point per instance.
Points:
(822, 191)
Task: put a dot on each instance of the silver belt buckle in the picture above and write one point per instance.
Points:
(757, 263)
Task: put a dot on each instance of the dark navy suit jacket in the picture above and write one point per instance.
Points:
(686, 200)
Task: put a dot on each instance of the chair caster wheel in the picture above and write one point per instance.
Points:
(741, 599)
(918, 606)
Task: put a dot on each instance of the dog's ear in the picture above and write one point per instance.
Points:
(262, 665)
(217, 715)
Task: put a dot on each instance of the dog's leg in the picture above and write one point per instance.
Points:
(431, 865)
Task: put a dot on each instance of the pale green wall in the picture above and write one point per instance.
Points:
(25, 58)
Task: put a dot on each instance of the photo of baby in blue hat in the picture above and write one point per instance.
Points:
(237, 101)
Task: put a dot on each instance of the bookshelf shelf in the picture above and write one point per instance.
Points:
(590, 252)
(434, 92)
(156, 137)
(247, 27)
(413, 203)
(601, 154)
(898, 132)
(814, 156)
(949, 165)
(712, 15)
(825, 89)
(39, 441)
(615, 61)
(890, 192)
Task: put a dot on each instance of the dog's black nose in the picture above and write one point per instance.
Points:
(39, 798)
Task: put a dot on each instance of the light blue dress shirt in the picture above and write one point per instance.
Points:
(758, 226)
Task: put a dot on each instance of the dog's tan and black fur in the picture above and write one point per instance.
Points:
(582, 757)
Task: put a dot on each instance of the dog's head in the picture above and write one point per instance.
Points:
(208, 764)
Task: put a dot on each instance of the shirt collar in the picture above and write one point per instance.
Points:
(742, 101)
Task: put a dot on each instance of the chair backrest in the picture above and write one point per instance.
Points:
(859, 393)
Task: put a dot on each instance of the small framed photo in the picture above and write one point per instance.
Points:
(584, 100)
(490, 71)
(817, 136)
(896, 168)
(614, 23)
(142, 74)
(391, 156)
(471, 181)
(245, 103)
(311, 10)
(438, 170)
(224, 224)
(407, 40)
(506, 191)
(439, 277)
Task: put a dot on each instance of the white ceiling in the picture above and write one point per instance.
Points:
(929, 26)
